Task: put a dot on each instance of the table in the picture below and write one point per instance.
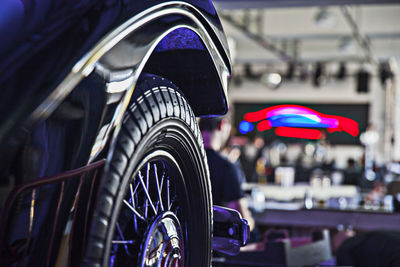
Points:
(360, 220)
(284, 206)
(290, 193)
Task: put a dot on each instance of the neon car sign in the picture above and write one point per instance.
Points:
(295, 121)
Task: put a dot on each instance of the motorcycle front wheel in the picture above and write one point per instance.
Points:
(154, 206)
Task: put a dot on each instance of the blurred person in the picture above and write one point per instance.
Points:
(249, 157)
(393, 189)
(261, 170)
(352, 174)
(224, 175)
(376, 195)
(233, 154)
(302, 174)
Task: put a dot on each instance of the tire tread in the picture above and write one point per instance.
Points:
(150, 107)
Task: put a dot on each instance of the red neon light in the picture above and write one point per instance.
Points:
(264, 125)
(298, 133)
(332, 130)
(345, 124)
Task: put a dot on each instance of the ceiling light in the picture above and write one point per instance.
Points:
(369, 137)
(271, 80)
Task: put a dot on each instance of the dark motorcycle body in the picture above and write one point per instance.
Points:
(69, 78)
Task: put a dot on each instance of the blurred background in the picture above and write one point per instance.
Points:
(316, 122)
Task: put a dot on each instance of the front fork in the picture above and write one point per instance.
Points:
(230, 231)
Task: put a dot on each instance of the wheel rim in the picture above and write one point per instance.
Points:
(151, 227)
(163, 244)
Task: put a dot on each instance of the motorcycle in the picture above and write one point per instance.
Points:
(99, 143)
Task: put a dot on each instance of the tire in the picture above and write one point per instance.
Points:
(159, 148)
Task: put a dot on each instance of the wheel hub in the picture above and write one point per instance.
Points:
(163, 242)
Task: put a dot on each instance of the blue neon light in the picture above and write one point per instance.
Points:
(295, 120)
(245, 127)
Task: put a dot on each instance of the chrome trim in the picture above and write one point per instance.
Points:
(119, 86)
(100, 141)
(114, 75)
(87, 64)
(106, 58)
(117, 59)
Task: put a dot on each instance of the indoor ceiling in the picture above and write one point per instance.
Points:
(284, 30)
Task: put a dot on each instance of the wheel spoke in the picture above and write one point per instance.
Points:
(158, 188)
(176, 209)
(122, 237)
(146, 205)
(123, 241)
(133, 205)
(136, 187)
(168, 196)
(147, 193)
(134, 211)
(172, 204)
(162, 181)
